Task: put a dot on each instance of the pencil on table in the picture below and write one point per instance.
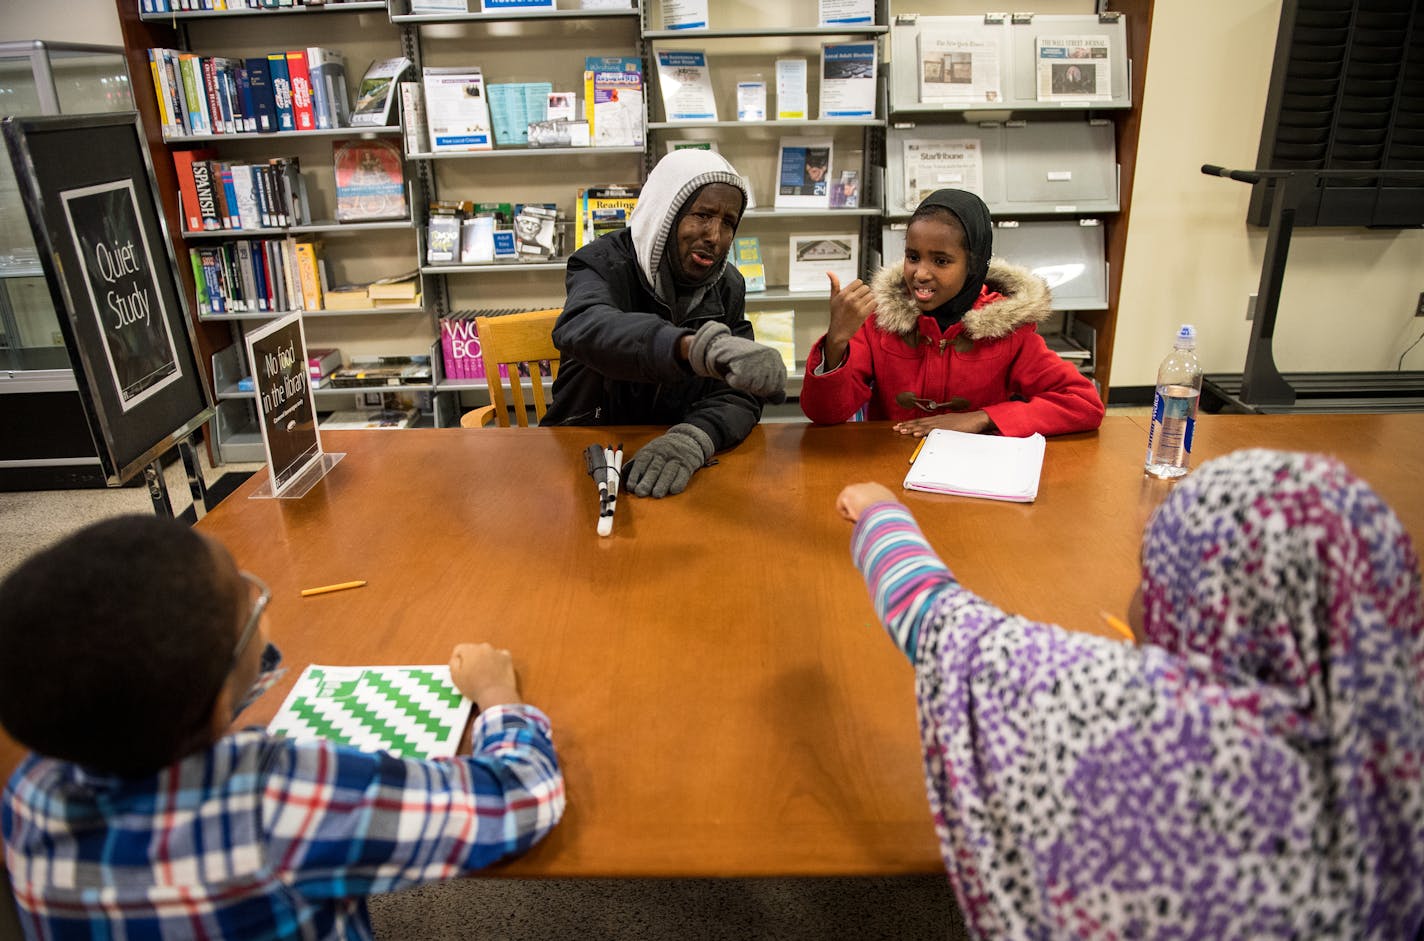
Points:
(342, 586)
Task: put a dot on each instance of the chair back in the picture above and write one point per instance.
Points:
(511, 340)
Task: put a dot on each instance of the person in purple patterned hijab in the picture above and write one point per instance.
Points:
(1254, 767)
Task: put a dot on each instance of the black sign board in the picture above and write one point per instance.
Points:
(89, 192)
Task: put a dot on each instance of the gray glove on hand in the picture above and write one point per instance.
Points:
(746, 366)
(667, 463)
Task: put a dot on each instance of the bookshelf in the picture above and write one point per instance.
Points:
(743, 40)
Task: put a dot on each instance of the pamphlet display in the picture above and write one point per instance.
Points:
(955, 68)
(938, 164)
(684, 14)
(847, 12)
(812, 256)
(791, 89)
(686, 86)
(848, 80)
(1074, 68)
(803, 170)
(376, 95)
(455, 109)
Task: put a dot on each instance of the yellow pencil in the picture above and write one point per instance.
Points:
(918, 448)
(1118, 626)
(326, 588)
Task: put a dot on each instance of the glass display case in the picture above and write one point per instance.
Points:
(44, 438)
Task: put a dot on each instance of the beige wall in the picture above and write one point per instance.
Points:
(1349, 294)
(84, 21)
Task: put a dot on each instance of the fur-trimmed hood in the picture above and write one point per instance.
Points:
(1026, 299)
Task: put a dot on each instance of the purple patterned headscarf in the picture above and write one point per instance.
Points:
(1255, 770)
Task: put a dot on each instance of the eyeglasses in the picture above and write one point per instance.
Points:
(264, 595)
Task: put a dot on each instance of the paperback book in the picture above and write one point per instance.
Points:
(613, 94)
(604, 209)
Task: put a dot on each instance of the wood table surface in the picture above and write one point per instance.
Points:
(723, 700)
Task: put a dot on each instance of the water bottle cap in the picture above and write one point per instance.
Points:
(1186, 337)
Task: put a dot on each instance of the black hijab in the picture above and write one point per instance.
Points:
(978, 225)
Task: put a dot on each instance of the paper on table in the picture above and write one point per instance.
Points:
(988, 466)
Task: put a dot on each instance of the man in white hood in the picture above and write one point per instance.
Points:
(654, 329)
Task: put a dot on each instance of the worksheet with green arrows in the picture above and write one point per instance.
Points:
(410, 711)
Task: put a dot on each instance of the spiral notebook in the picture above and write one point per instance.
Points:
(987, 466)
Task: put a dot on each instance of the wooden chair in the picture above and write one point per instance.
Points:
(509, 341)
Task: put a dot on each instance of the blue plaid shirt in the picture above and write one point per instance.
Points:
(258, 837)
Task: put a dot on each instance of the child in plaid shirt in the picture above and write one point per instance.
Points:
(125, 653)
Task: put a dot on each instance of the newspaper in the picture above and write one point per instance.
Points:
(1074, 68)
(942, 164)
(953, 68)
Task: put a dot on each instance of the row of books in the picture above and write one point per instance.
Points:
(299, 90)
(258, 275)
(847, 86)
(460, 346)
(182, 6)
(218, 194)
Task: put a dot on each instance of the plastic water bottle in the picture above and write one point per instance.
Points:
(1174, 408)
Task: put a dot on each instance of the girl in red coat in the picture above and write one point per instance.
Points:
(947, 339)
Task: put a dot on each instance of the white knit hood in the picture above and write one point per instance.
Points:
(670, 184)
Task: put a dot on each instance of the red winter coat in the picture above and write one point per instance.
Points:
(993, 359)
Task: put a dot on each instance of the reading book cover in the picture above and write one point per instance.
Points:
(370, 180)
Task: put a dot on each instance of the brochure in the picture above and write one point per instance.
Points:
(845, 190)
(814, 255)
(456, 110)
(376, 94)
(939, 164)
(613, 87)
(955, 68)
(746, 254)
(848, 80)
(790, 89)
(847, 12)
(1074, 68)
(751, 101)
(802, 171)
(992, 467)
(684, 14)
(686, 86)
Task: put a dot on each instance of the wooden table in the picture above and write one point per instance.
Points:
(723, 699)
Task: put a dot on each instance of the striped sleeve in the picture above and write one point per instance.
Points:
(341, 823)
(901, 571)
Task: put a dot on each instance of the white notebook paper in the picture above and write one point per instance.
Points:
(988, 466)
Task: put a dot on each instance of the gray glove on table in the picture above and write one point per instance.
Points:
(746, 366)
(667, 463)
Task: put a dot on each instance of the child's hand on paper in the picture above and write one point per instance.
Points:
(484, 674)
(974, 423)
(850, 307)
(856, 497)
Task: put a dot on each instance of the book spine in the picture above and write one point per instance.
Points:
(187, 190)
(328, 71)
(247, 215)
(211, 288)
(320, 99)
(222, 82)
(281, 91)
(210, 90)
(247, 106)
(264, 108)
(300, 78)
(197, 101)
(202, 173)
(234, 212)
(289, 274)
(200, 283)
(307, 270)
(249, 276)
(259, 275)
